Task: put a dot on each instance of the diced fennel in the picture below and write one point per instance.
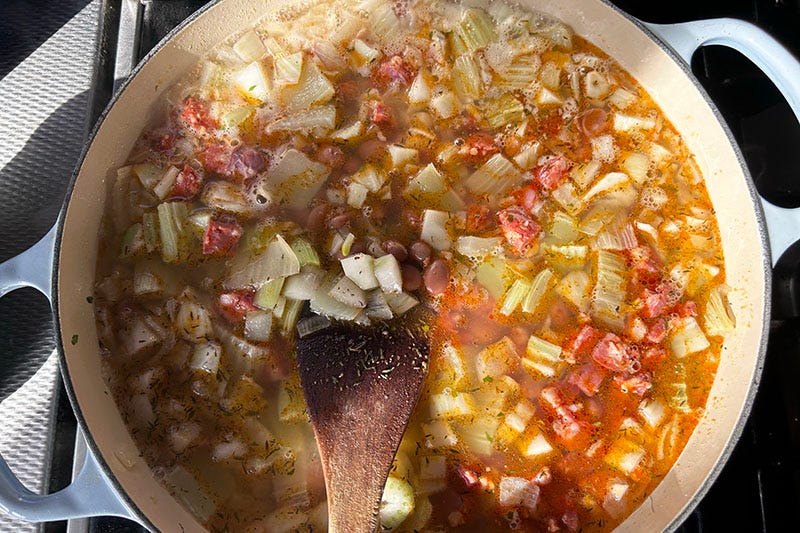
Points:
(434, 229)
(295, 179)
(377, 306)
(618, 235)
(249, 47)
(514, 296)
(401, 155)
(312, 324)
(621, 98)
(624, 455)
(237, 115)
(401, 302)
(356, 194)
(267, 295)
(574, 288)
(686, 337)
(477, 247)
(537, 446)
(636, 165)
(492, 274)
(496, 359)
(494, 177)
(318, 119)
(652, 411)
(397, 503)
(563, 228)
(313, 87)
(527, 158)
(451, 405)
(476, 29)
(288, 69)
(537, 290)
(427, 184)
(627, 123)
(303, 285)
(432, 467)
(718, 318)
(420, 91)
(439, 434)
(370, 177)
(388, 274)
(254, 82)
(172, 222)
(445, 104)
(606, 184)
(146, 281)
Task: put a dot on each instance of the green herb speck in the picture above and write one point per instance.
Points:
(74, 339)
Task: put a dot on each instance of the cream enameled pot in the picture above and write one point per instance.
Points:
(114, 481)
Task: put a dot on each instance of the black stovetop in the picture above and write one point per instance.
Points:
(759, 488)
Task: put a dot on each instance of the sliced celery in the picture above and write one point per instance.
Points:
(609, 291)
(290, 315)
(172, 222)
(503, 110)
(537, 291)
(476, 29)
(305, 252)
(540, 349)
(467, 77)
(514, 296)
(267, 295)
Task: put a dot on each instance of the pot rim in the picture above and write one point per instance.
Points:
(733, 437)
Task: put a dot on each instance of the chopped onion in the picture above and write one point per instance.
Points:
(397, 503)
(402, 155)
(388, 274)
(249, 47)
(318, 119)
(258, 326)
(206, 357)
(303, 285)
(687, 337)
(313, 87)
(312, 324)
(609, 182)
(254, 82)
(288, 69)
(401, 302)
(450, 405)
(516, 491)
(377, 306)
(360, 268)
(537, 446)
(627, 123)
(420, 90)
(444, 104)
(277, 261)
(434, 229)
(267, 295)
(356, 195)
(344, 290)
(226, 196)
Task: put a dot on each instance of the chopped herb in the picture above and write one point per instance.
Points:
(90, 299)
(74, 339)
(488, 379)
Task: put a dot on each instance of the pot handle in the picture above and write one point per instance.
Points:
(783, 225)
(91, 493)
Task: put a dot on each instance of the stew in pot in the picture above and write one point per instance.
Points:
(365, 158)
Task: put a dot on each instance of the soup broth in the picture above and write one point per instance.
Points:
(363, 159)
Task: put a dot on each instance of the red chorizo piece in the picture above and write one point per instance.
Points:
(519, 229)
(661, 298)
(221, 237)
(195, 116)
(552, 173)
(236, 164)
(235, 305)
(394, 70)
(657, 331)
(477, 148)
(188, 184)
(528, 197)
(588, 378)
(570, 430)
(581, 344)
(644, 263)
(637, 384)
(331, 156)
(380, 114)
(615, 354)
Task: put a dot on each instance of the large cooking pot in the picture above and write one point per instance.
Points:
(115, 481)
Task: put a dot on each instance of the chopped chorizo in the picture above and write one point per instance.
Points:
(614, 354)
(572, 431)
(477, 148)
(519, 229)
(592, 121)
(394, 69)
(235, 305)
(221, 237)
(195, 117)
(188, 184)
(552, 173)
(478, 218)
(583, 341)
(588, 378)
(637, 384)
(380, 114)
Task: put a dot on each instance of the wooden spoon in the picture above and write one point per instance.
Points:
(361, 385)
